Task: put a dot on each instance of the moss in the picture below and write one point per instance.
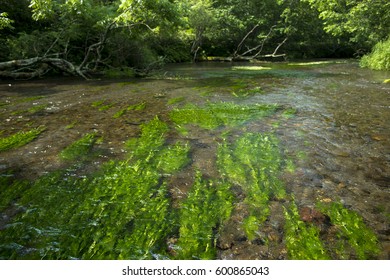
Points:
(302, 240)
(208, 205)
(80, 148)
(19, 139)
(352, 232)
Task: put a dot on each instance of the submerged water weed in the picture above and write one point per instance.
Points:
(71, 125)
(302, 240)
(151, 140)
(214, 115)
(19, 139)
(254, 163)
(176, 100)
(136, 107)
(10, 190)
(352, 231)
(121, 212)
(33, 110)
(102, 105)
(42, 221)
(173, 158)
(247, 92)
(129, 209)
(126, 213)
(79, 148)
(289, 113)
(207, 207)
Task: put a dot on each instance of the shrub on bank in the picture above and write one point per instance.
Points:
(379, 58)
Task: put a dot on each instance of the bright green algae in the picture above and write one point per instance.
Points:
(209, 204)
(19, 139)
(253, 162)
(123, 212)
(354, 238)
(353, 234)
(214, 115)
(302, 240)
(80, 148)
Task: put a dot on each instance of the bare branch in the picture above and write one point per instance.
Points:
(243, 40)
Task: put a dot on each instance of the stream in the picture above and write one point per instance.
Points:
(331, 122)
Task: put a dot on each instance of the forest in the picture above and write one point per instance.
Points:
(195, 129)
(86, 37)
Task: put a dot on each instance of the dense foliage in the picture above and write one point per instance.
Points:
(81, 36)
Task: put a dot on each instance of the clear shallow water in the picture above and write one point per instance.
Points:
(337, 138)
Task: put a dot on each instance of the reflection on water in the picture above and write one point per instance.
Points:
(332, 125)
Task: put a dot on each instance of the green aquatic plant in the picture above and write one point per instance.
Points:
(290, 166)
(98, 103)
(352, 231)
(254, 163)
(33, 110)
(121, 212)
(71, 125)
(44, 209)
(19, 139)
(289, 113)
(10, 190)
(247, 92)
(80, 148)
(214, 115)
(207, 207)
(173, 157)
(136, 107)
(120, 113)
(105, 107)
(151, 140)
(302, 240)
(102, 105)
(176, 100)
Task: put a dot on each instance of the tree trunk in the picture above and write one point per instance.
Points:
(36, 67)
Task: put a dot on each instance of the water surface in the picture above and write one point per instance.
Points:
(332, 124)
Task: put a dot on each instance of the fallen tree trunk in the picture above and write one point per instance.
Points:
(36, 67)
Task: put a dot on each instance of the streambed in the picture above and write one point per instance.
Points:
(225, 161)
